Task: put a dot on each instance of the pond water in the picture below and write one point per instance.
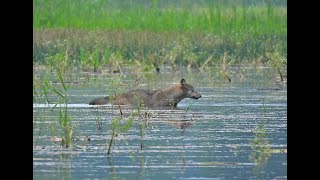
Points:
(208, 138)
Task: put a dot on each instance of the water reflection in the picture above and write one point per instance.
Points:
(179, 124)
(175, 117)
(65, 166)
(112, 169)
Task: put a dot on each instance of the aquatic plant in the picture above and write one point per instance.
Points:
(279, 62)
(65, 121)
(260, 146)
(98, 120)
(142, 125)
(40, 89)
(119, 125)
(44, 87)
(261, 150)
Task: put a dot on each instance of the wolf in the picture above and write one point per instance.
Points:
(166, 97)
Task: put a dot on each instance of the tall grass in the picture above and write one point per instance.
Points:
(97, 34)
(235, 18)
(95, 49)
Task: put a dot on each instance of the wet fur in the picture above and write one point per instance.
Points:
(152, 98)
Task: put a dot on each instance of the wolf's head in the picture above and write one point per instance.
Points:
(189, 91)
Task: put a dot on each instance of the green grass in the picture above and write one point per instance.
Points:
(95, 49)
(234, 18)
(106, 34)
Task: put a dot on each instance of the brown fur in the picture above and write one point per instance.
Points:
(158, 98)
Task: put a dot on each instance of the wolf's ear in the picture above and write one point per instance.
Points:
(183, 82)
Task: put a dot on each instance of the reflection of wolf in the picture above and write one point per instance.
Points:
(157, 98)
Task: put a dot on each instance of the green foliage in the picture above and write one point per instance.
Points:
(111, 50)
(97, 35)
(260, 146)
(261, 150)
(217, 17)
(279, 62)
(65, 122)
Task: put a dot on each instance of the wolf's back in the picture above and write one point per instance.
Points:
(100, 101)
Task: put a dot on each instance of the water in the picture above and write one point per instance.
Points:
(209, 138)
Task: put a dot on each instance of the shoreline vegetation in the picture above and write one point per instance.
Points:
(92, 35)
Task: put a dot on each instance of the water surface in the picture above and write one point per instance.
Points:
(209, 138)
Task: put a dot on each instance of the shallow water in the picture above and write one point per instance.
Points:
(208, 138)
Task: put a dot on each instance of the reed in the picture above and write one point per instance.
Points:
(45, 88)
(97, 34)
(111, 50)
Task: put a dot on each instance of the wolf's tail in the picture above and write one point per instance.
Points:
(100, 101)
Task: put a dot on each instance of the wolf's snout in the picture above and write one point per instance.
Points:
(197, 96)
